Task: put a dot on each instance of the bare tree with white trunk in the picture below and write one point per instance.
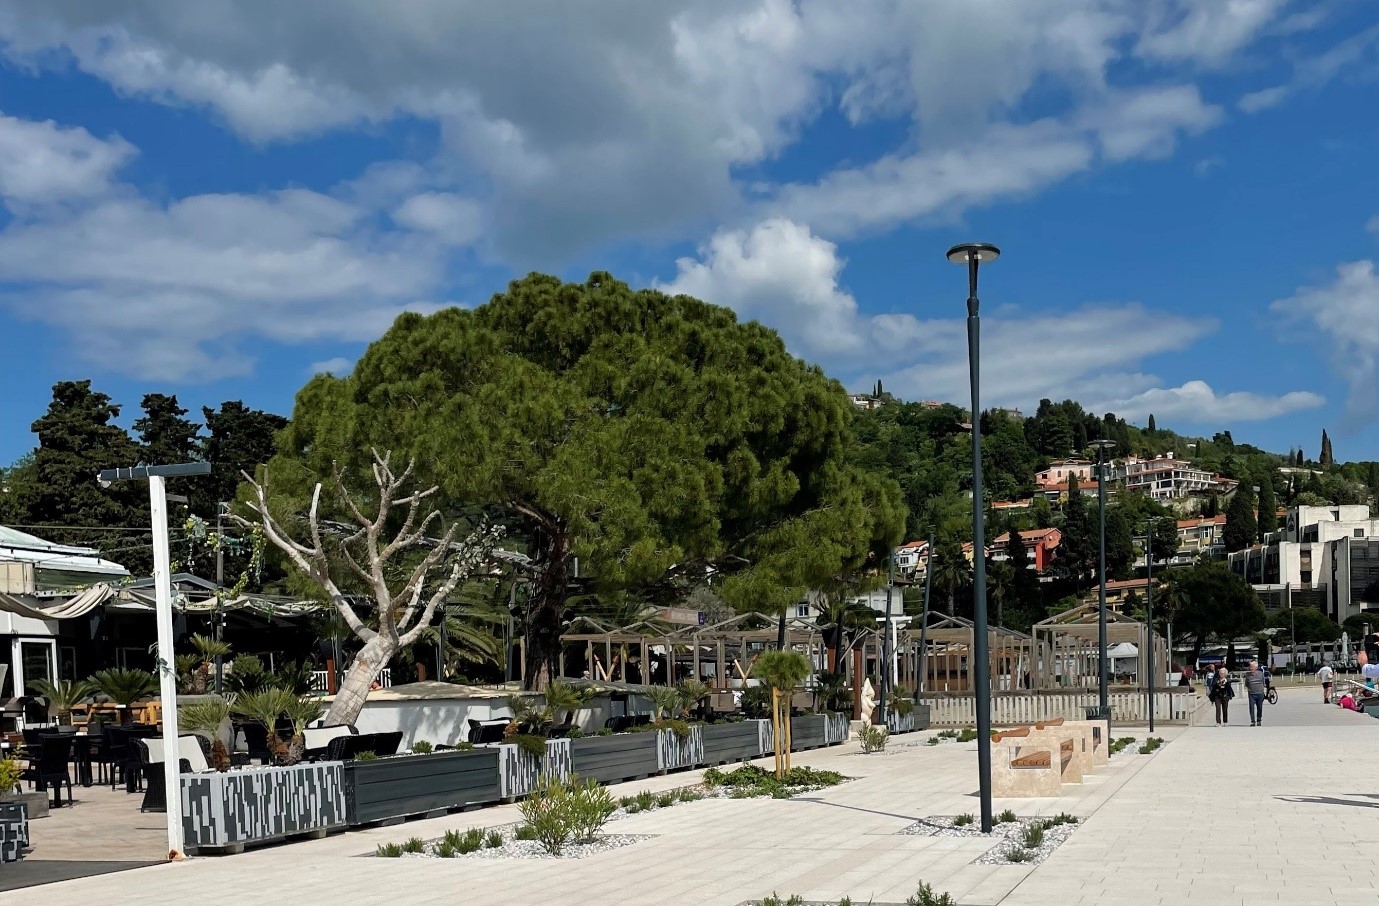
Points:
(378, 557)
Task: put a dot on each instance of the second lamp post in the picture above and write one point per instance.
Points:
(1103, 674)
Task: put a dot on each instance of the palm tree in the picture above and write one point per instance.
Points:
(64, 695)
(266, 706)
(692, 692)
(782, 671)
(1000, 582)
(206, 718)
(301, 711)
(125, 687)
(951, 571)
(841, 618)
(208, 649)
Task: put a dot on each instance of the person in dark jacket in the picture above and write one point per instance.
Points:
(1221, 692)
(1257, 687)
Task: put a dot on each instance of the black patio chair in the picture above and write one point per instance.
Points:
(256, 740)
(386, 744)
(51, 766)
(481, 731)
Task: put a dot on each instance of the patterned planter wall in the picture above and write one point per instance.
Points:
(231, 810)
(734, 742)
(674, 753)
(836, 728)
(415, 784)
(611, 759)
(900, 723)
(767, 734)
(14, 831)
(519, 772)
(808, 732)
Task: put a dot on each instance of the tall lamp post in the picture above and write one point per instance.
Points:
(973, 255)
(1103, 673)
(1149, 613)
(924, 621)
(162, 589)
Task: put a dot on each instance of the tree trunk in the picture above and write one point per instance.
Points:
(789, 740)
(220, 756)
(776, 732)
(349, 701)
(950, 600)
(550, 589)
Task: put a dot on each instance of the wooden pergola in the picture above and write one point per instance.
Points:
(717, 654)
(942, 651)
(1069, 655)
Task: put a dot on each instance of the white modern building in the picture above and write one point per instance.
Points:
(1325, 555)
(1165, 477)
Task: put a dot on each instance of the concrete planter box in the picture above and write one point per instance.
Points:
(388, 789)
(519, 772)
(835, 728)
(612, 759)
(14, 831)
(808, 732)
(675, 754)
(223, 813)
(731, 743)
(36, 804)
(920, 717)
(900, 723)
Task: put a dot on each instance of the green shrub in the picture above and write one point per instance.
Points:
(686, 794)
(604, 731)
(949, 734)
(366, 755)
(533, 745)
(493, 840)
(925, 896)
(756, 702)
(713, 777)
(456, 843)
(1018, 855)
(773, 900)
(576, 733)
(904, 706)
(422, 747)
(1005, 817)
(560, 812)
(524, 832)
(464, 746)
(388, 850)
(1034, 835)
(666, 800)
(1063, 818)
(933, 741)
(645, 800)
(414, 845)
(873, 738)
(967, 735)
(963, 820)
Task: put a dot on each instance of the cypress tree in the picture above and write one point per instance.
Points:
(1241, 525)
(1268, 505)
(1327, 460)
(1152, 426)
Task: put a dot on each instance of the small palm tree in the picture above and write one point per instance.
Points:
(208, 649)
(692, 692)
(206, 718)
(125, 687)
(265, 707)
(301, 711)
(64, 695)
(561, 698)
(666, 701)
(782, 671)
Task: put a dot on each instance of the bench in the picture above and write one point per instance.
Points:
(191, 758)
(1022, 767)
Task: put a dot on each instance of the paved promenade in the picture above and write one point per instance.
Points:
(1221, 816)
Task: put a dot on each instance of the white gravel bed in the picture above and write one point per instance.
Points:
(1006, 838)
(530, 849)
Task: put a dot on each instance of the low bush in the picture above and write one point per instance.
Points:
(455, 843)
(422, 747)
(1118, 744)
(524, 832)
(1018, 854)
(963, 820)
(1150, 745)
(925, 896)
(933, 741)
(1005, 817)
(493, 840)
(666, 800)
(414, 845)
(904, 706)
(1034, 835)
(967, 735)
(713, 777)
(366, 755)
(563, 812)
(949, 734)
(873, 738)
(464, 746)
(773, 900)
(749, 781)
(388, 850)
(533, 745)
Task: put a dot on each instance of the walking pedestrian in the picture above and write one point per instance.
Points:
(1186, 678)
(1220, 692)
(1326, 676)
(1256, 686)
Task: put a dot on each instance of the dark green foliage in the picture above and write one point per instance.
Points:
(388, 850)
(925, 896)
(366, 755)
(560, 812)
(1166, 538)
(1326, 459)
(455, 843)
(1005, 817)
(1150, 745)
(967, 735)
(1307, 624)
(240, 439)
(533, 745)
(1213, 602)
(1118, 744)
(1267, 520)
(1018, 854)
(962, 820)
(1034, 835)
(493, 840)
(1241, 526)
(756, 702)
(524, 832)
(414, 845)
(1151, 426)
(750, 781)
(422, 747)
(630, 429)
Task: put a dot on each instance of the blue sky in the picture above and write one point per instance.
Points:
(216, 199)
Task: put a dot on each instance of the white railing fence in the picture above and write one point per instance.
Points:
(958, 710)
(320, 679)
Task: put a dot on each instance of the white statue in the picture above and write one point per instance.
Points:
(868, 702)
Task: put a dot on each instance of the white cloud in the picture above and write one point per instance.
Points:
(1207, 165)
(1196, 401)
(183, 290)
(453, 219)
(1373, 224)
(43, 162)
(622, 119)
(1344, 313)
(1263, 99)
(1359, 51)
(337, 366)
(781, 274)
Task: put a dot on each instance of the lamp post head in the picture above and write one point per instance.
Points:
(981, 252)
